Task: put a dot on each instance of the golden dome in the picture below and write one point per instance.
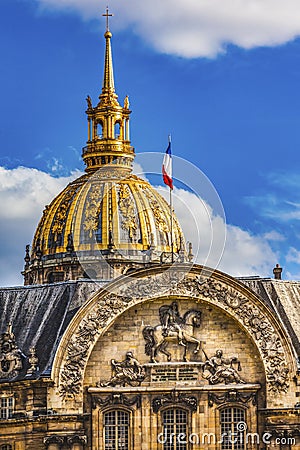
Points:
(108, 220)
(124, 221)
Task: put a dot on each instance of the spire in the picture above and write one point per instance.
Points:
(108, 86)
(108, 95)
(108, 122)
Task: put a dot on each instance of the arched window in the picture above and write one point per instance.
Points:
(6, 447)
(175, 429)
(117, 130)
(55, 277)
(100, 130)
(232, 421)
(116, 430)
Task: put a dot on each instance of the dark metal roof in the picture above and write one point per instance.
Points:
(39, 315)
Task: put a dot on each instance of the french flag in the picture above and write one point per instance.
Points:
(167, 167)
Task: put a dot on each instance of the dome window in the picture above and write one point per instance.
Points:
(118, 128)
(100, 130)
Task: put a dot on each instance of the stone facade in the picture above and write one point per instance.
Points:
(223, 361)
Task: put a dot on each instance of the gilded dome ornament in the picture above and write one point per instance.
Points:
(89, 102)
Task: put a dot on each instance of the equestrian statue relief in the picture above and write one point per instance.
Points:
(171, 321)
(172, 328)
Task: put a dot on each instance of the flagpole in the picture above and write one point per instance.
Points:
(171, 217)
(168, 180)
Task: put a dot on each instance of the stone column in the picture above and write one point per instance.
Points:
(53, 442)
(95, 131)
(127, 137)
(89, 129)
(77, 442)
(76, 447)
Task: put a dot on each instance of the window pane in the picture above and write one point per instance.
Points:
(6, 408)
(116, 430)
(175, 429)
(232, 438)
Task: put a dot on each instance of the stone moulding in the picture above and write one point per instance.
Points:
(232, 396)
(116, 399)
(77, 351)
(220, 291)
(175, 398)
(64, 440)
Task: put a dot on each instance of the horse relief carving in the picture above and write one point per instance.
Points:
(172, 329)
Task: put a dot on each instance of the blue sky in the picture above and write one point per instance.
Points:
(225, 83)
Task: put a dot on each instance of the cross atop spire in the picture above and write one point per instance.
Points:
(107, 15)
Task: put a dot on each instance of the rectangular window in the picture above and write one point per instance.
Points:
(116, 430)
(6, 407)
(233, 429)
(175, 433)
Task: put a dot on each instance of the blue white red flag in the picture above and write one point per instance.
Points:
(167, 167)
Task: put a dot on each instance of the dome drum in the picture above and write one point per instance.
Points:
(99, 154)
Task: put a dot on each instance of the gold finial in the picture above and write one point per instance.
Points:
(107, 15)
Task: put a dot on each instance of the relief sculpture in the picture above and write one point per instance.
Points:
(129, 371)
(10, 355)
(218, 369)
(172, 328)
(127, 209)
(243, 309)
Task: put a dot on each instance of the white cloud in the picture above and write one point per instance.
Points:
(219, 245)
(275, 205)
(293, 255)
(280, 201)
(247, 254)
(274, 236)
(23, 194)
(193, 28)
(139, 171)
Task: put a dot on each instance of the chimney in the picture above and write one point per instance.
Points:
(277, 271)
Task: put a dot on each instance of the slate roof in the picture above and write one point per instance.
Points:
(283, 297)
(39, 316)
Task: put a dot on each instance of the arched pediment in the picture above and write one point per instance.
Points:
(218, 289)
